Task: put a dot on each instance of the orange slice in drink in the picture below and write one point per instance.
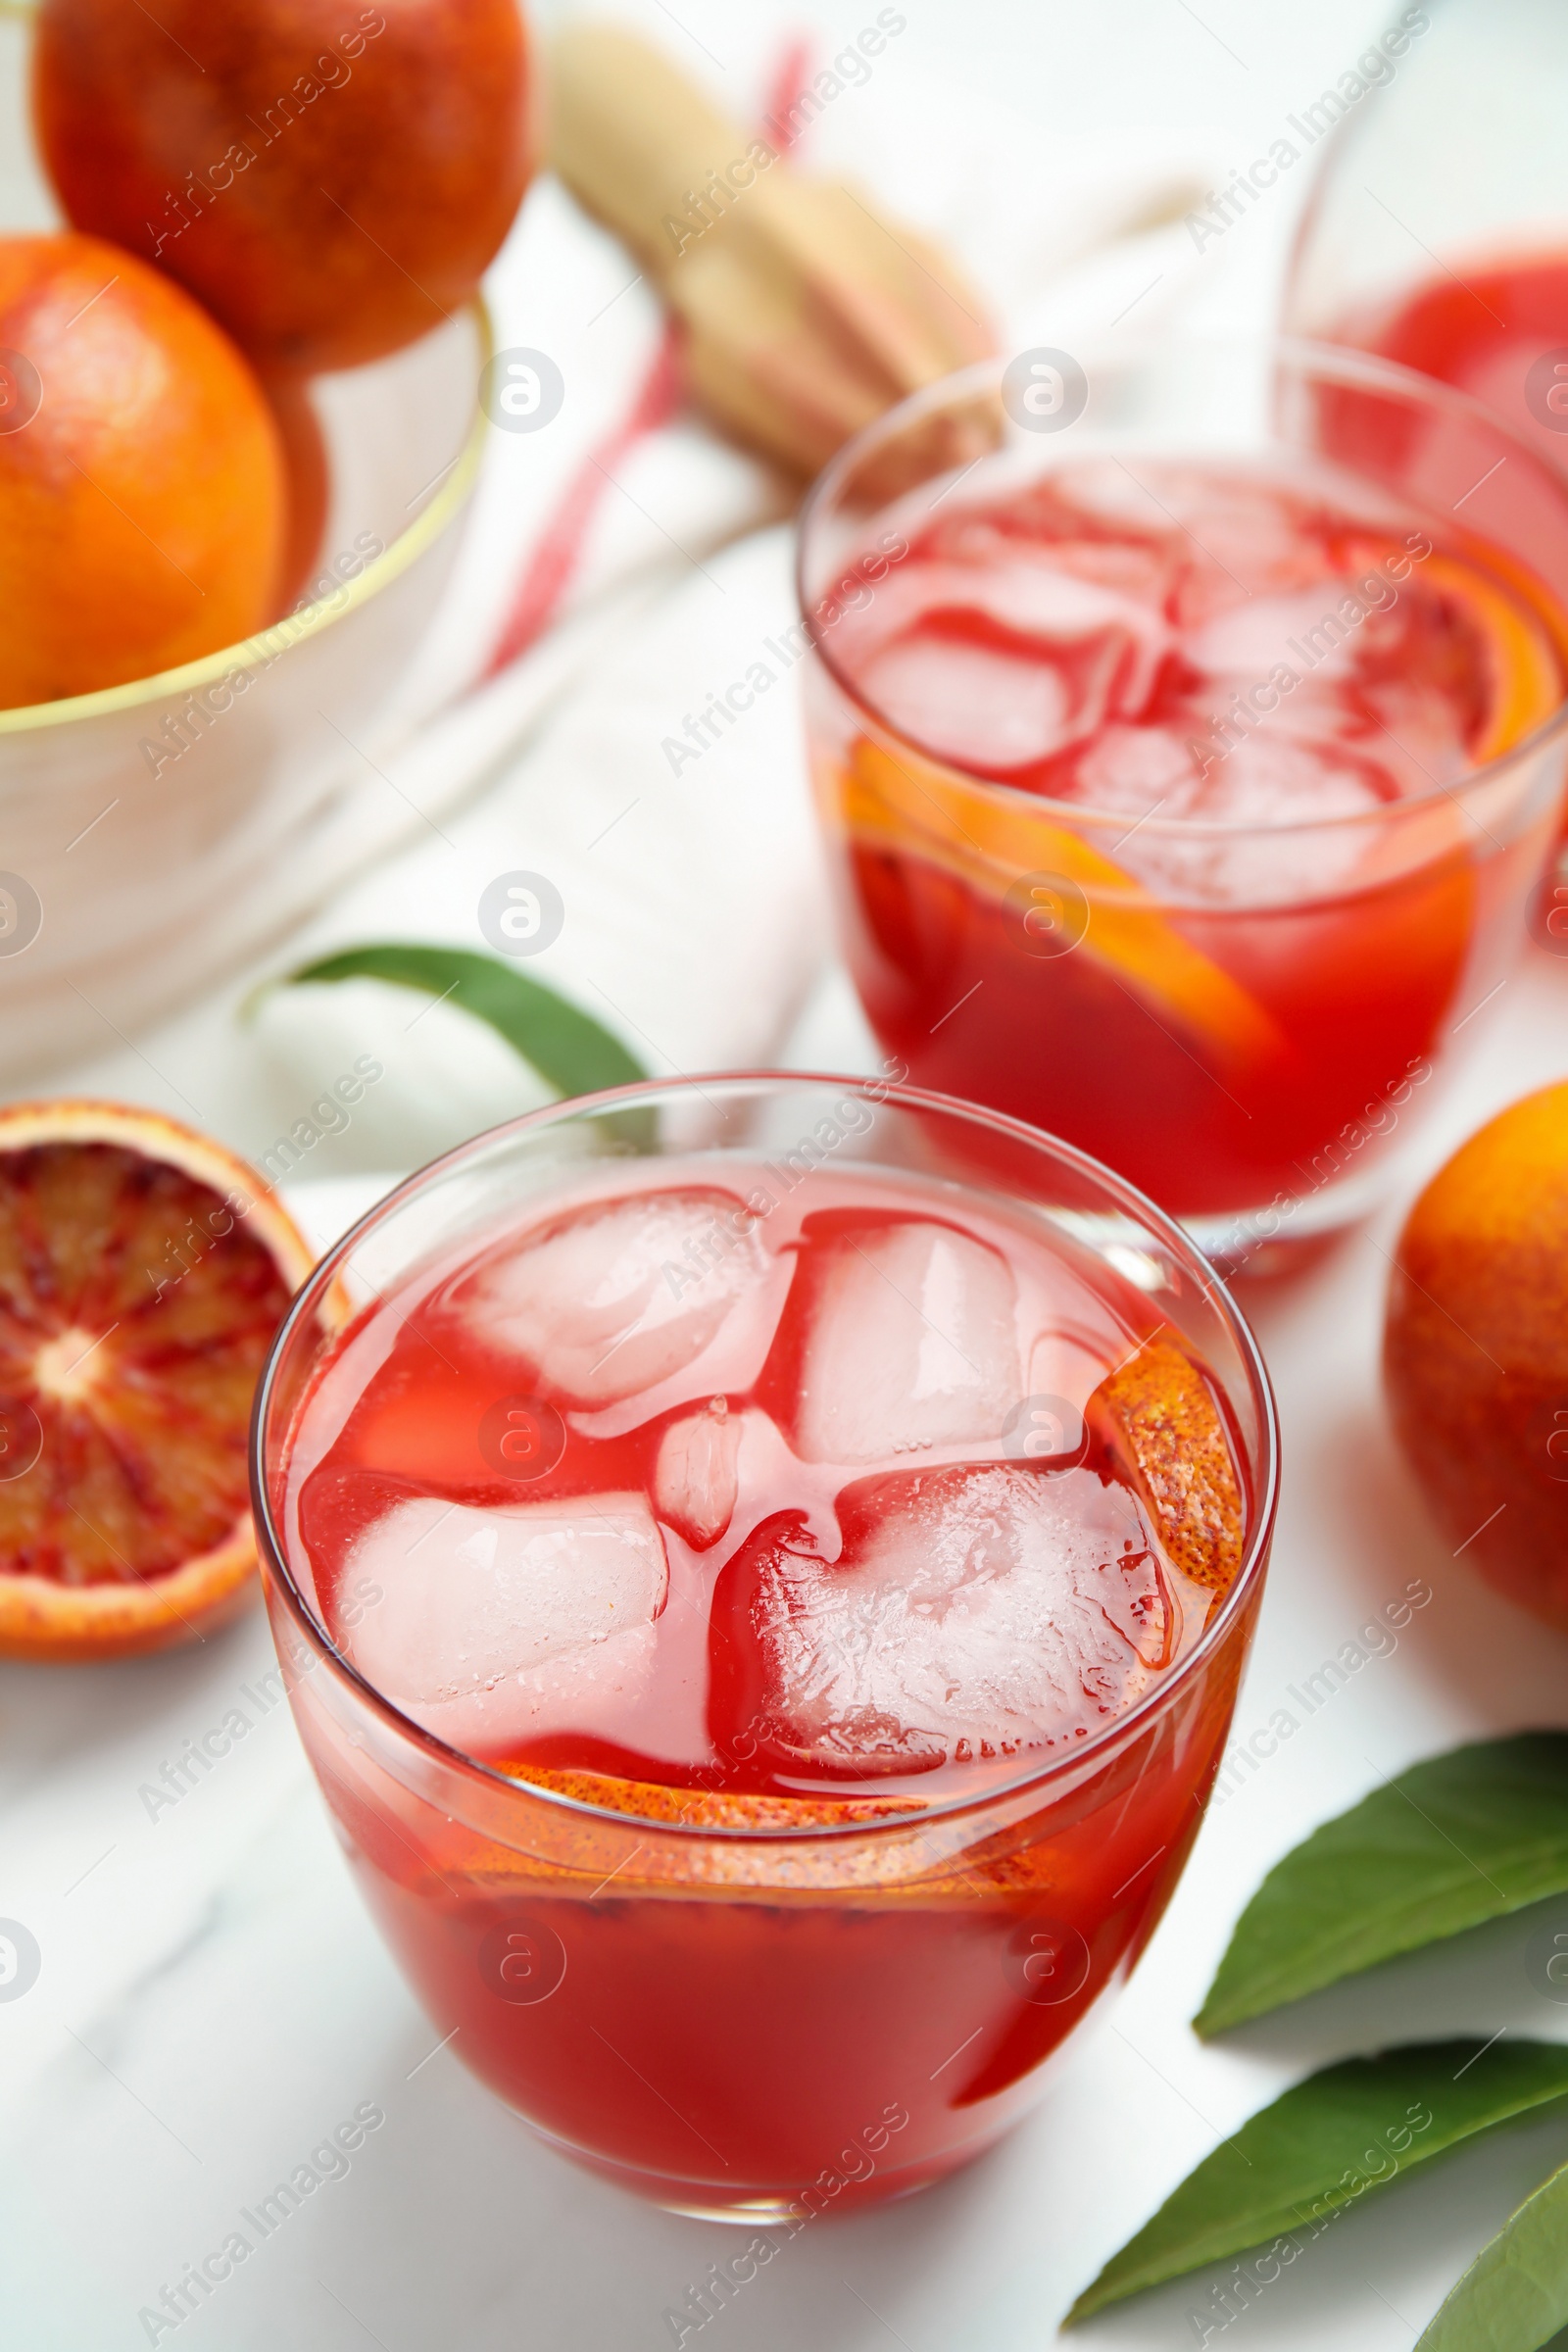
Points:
(713, 1808)
(1525, 661)
(1163, 1424)
(990, 837)
(1524, 641)
(143, 1273)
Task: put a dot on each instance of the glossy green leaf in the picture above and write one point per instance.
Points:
(1464, 1837)
(1326, 2143)
(567, 1048)
(1514, 2296)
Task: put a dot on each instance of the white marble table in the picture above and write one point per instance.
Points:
(213, 2002)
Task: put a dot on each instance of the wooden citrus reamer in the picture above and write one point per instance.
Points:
(807, 315)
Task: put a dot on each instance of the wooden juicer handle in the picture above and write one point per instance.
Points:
(807, 315)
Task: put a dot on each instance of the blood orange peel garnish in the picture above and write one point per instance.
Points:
(1159, 1417)
(143, 1273)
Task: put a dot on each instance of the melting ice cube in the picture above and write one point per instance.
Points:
(1241, 532)
(620, 1295)
(695, 1478)
(1275, 776)
(488, 1625)
(1143, 769)
(973, 1613)
(973, 702)
(1249, 641)
(899, 1337)
(1007, 666)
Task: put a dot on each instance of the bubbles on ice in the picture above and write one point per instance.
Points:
(616, 1297)
(974, 1612)
(491, 1625)
(899, 1337)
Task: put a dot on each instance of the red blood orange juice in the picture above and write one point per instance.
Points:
(1499, 331)
(1185, 802)
(766, 1621)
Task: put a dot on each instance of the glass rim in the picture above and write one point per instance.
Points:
(1101, 1745)
(255, 652)
(985, 375)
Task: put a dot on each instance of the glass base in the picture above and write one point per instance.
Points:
(1282, 1237)
(767, 2209)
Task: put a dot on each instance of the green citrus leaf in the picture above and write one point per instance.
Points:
(1464, 1837)
(1514, 2296)
(567, 1048)
(1323, 2145)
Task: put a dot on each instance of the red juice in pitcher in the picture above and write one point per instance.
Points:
(787, 1499)
(1498, 331)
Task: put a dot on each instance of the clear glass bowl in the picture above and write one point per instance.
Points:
(757, 2023)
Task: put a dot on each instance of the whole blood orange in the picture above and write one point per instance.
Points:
(1476, 1351)
(143, 500)
(143, 1272)
(330, 182)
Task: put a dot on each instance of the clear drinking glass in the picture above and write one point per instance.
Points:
(745, 2021)
(1238, 1013)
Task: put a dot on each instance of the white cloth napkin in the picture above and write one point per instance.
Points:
(694, 919)
(692, 905)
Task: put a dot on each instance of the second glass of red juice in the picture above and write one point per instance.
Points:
(1186, 757)
(762, 1567)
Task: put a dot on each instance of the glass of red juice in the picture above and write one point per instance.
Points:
(762, 1567)
(1187, 758)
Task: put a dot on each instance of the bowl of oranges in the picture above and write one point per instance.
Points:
(241, 348)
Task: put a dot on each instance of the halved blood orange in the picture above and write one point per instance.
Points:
(143, 1273)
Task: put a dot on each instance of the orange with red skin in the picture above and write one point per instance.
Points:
(143, 505)
(1476, 1351)
(366, 213)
